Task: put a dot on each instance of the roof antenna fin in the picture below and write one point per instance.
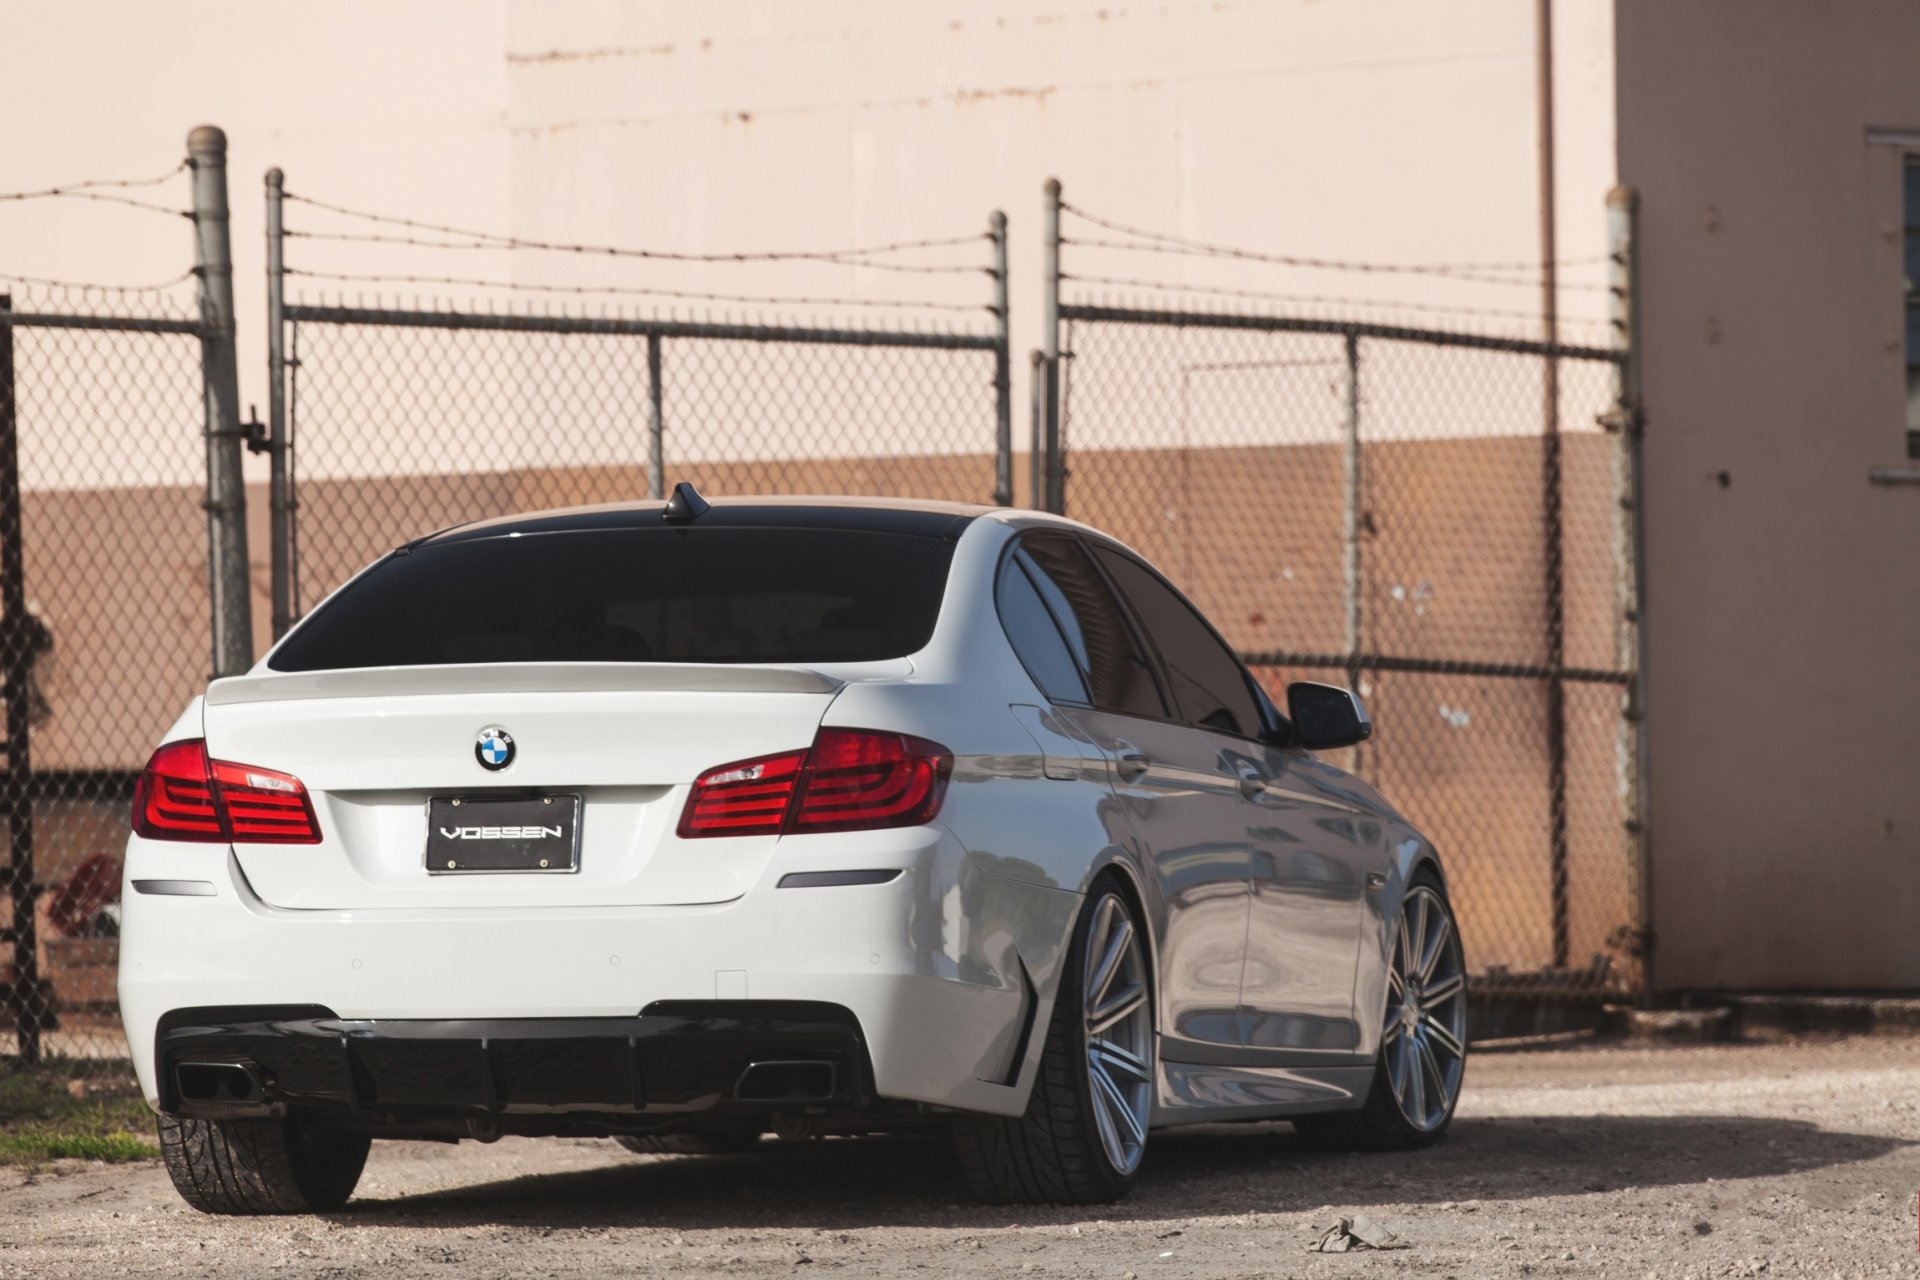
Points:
(685, 506)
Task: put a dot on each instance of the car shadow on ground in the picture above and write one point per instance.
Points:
(1266, 1168)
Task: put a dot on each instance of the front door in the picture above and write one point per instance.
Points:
(1309, 879)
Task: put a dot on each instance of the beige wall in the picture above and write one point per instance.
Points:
(1383, 130)
(1784, 606)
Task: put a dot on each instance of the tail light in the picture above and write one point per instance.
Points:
(184, 795)
(849, 780)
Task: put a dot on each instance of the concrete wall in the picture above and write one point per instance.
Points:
(1783, 588)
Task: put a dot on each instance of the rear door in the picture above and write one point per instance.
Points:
(1172, 782)
(1305, 870)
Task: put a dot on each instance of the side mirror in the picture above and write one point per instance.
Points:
(1324, 716)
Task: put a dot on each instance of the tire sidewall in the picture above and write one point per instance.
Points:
(1412, 1135)
(1074, 990)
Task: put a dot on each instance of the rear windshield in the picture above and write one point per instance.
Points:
(635, 595)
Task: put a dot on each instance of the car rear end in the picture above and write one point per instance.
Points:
(570, 825)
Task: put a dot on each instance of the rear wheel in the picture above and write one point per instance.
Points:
(1423, 1037)
(1084, 1131)
(275, 1164)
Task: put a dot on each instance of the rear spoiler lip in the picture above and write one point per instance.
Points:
(519, 677)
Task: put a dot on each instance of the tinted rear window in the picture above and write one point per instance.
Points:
(635, 595)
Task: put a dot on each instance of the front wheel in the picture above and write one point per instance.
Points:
(1084, 1131)
(1423, 1035)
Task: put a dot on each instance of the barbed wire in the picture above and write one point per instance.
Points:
(683, 295)
(96, 189)
(99, 198)
(1323, 300)
(84, 287)
(479, 239)
(1474, 272)
(910, 268)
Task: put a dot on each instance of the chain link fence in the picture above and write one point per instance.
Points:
(103, 628)
(1437, 518)
(406, 419)
(404, 422)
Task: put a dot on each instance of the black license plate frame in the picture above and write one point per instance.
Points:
(480, 849)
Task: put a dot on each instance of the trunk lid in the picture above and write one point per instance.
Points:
(374, 747)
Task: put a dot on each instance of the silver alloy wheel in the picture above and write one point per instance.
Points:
(1425, 1032)
(1119, 1034)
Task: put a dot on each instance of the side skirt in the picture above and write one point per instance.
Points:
(1203, 1093)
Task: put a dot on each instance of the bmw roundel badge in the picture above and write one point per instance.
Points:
(494, 748)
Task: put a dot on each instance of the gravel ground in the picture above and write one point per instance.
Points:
(1795, 1159)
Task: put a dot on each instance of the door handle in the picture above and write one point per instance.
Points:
(1252, 780)
(1129, 761)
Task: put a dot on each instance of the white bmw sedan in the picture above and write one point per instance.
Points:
(687, 824)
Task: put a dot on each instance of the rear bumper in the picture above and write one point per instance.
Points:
(941, 970)
(696, 1057)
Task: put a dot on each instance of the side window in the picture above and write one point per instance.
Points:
(1210, 686)
(1096, 627)
(1035, 638)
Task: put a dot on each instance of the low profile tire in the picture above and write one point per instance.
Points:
(1423, 1043)
(292, 1164)
(1084, 1131)
(688, 1144)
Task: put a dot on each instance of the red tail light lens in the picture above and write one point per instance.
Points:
(264, 806)
(849, 780)
(174, 798)
(858, 779)
(183, 795)
(748, 798)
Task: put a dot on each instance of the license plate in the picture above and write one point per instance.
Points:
(480, 834)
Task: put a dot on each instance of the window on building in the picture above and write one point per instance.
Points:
(1912, 252)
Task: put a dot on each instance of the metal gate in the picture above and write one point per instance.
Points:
(1441, 519)
(401, 420)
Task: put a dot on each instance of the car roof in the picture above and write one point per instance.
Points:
(882, 515)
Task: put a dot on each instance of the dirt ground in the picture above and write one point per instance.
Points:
(1798, 1159)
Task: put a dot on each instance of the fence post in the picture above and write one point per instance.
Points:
(1630, 552)
(1350, 520)
(280, 501)
(1056, 470)
(227, 576)
(1036, 434)
(17, 631)
(1002, 365)
(656, 422)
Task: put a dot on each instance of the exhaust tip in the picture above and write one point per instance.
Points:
(788, 1081)
(219, 1083)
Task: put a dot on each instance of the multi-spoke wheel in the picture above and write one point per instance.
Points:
(1423, 1034)
(1085, 1127)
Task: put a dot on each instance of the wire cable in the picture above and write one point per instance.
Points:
(636, 291)
(1164, 243)
(1167, 286)
(477, 239)
(97, 189)
(95, 184)
(910, 268)
(161, 287)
